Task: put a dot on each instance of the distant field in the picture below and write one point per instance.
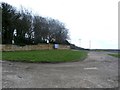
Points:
(115, 55)
(45, 56)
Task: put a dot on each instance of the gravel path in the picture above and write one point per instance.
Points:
(99, 70)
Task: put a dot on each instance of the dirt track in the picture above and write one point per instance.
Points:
(99, 70)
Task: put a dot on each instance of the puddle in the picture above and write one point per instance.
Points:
(92, 68)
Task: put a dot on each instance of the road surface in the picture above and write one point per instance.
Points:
(98, 70)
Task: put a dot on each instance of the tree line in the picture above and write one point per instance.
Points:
(23, 28)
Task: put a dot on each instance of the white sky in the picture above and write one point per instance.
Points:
(88, 20)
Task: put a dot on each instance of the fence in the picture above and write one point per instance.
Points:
(32, 47)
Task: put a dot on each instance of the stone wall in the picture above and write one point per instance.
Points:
(31, 47)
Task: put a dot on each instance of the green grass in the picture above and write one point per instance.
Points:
(45, 56)
(115, 55)
(0, 55)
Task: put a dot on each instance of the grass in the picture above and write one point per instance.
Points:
(115, 55)
(49, 56)
(0, 55)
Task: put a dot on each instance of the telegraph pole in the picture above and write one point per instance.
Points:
(80, 42)
(89, 44)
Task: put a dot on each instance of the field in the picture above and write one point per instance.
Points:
(115, 55)
(45, 56)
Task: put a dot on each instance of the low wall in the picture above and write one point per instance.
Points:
(31, 47)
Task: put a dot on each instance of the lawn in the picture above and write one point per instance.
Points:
(115, 55)
(45, 56)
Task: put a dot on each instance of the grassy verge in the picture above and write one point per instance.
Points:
(115, 55)
(45, 56)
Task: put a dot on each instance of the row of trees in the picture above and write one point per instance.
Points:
(22, 27)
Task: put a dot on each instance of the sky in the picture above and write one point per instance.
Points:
(91, 23)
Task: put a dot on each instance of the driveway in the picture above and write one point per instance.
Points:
(99, 70)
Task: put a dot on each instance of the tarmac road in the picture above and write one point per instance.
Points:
(99, 70)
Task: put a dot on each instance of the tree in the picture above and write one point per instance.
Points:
(8, 15)
(23, 26)
(40, 27)
(30, 29)
(0, 25)
(57, 31)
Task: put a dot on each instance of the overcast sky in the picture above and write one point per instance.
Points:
(94, 21)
